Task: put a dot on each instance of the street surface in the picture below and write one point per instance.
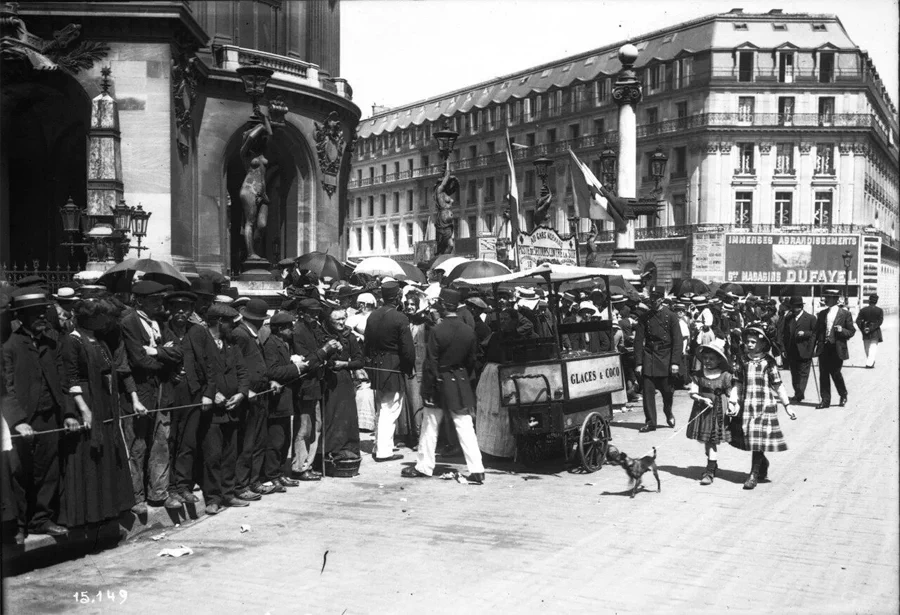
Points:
(822, 537)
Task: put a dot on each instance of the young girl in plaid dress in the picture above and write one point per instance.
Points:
(760, 388)
(714, 395)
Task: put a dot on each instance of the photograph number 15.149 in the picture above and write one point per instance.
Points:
(101, 596)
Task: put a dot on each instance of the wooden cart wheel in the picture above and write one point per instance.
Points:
(593, 442)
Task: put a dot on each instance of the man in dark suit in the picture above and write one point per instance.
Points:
(155, 357)
(869, 322)
(834, 326)
(390, 351)
(797, 340)
(309, 342)
(447, 387)
(32, 382)
(283, 370)
(658, 355)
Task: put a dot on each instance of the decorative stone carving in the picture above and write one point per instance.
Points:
(805, 147)
(845, 148)
(725, 147)
(860, 149)
(765, 148)
(330, 147)
(184, 93)
(627, 93)
(712, 148)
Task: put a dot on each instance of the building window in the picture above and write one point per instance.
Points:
(652, 115)
(529, 219)
(409, 166)
(681, 114)
(551, 135)
(371, 172)
(410, 238)
(599, 126)
(489, 220)
(785, 110)
(475, 116)
(383, 204)
(425, 161)
(601, 91)
(654, 76)
(383, 171)
(490, 147)
(679, 209)
(683, 69)
(423, 229)
(826, 110)
(784, 202)
(745, 66)
(745, 159)
(396, 202)
(473, 226)
(826, 67)
(397, 170)
(784, 159)
(358, 177)
(530, 139)
(371, 233)
(822, 213)
(410, 201)
(371, 206)
(358, 208)
(743, 208)
(489, 190)
(574, 132)
(786, 67)
(529, 183)
(473, 151)
(472, 192)
(825, 159)
(679, 162)
(528, 109)
(819, 27)
(746, 106)
(382, 232)
(358, 235)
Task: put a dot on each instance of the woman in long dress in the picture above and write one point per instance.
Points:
(340, 431)
(96, 482)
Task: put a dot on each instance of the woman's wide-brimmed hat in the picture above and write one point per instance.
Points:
(717, 346)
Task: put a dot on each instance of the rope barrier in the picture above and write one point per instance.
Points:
(126, 416)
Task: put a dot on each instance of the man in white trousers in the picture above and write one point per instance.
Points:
(447, 387)
(389, 349)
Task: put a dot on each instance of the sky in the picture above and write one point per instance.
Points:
(395, 52)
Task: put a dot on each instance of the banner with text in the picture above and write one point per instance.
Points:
(544, 245)
(770, 258)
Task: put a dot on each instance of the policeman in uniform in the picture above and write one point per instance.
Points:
(390, 351)
(447, 386)
(658, 355)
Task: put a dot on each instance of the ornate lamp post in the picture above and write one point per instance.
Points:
(444, 190)
(608, 163)
(848, 261)
(255, 79)
(542, 207)
(446, 138)
(658, 165)
(139, 219)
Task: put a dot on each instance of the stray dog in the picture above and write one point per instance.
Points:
(635, 468)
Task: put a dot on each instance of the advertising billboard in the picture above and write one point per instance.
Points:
(773, 258)
(544, 245)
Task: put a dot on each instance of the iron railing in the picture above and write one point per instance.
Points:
(57, 276)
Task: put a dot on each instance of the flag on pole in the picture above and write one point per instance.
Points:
(513, 195)
(590, 201)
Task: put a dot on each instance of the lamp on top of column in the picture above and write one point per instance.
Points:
(446, 138)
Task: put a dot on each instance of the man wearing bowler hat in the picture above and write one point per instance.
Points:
(797, 339)
(253, 432)
(32, 379)
(869, 322)
(155, 358)
(658, 355)
(834, 326)
(388, 346)
(447, 387)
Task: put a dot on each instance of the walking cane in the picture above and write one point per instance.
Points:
(816, 379)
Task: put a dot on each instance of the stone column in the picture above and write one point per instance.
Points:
(705, 190)
(323, 35)
(627, 93)
(849, 209)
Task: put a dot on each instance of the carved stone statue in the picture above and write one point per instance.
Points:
(444, 190)
(593, 255)
(542, 207)
(254, 200)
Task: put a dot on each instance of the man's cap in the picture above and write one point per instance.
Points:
(203, 287)
(796, 301)
(873, 298)
(255, 309)
(146, 288)
(831, 292)
(220, 310)
(309, 305)
(33, 280)
(280, 319)
(450, 296)
(390, 290)
(478, 302)
(30, 297)
(224, 300)
(657, 292)
(181, 295)
(678, 307)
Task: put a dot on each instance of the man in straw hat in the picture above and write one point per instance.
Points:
(32, 377)
(388, 345)
(446, 387)
(834, 326)
(798, 340)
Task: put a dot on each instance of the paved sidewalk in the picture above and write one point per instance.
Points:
(822, 537)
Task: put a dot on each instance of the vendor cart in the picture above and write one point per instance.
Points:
(560, 401)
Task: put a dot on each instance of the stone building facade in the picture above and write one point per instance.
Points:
(771, 122)
(183, 111)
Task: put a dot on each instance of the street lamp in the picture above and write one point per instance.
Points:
(608, 159)
(658, 165)
(848, 260)
(122, 217)
(446, 138)
(139, 219)
(255, 79)
(71, 215)
(542, 167)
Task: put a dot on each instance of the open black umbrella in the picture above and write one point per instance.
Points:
(118, 278)
(412, 273)
(322, 264)
(689, 285)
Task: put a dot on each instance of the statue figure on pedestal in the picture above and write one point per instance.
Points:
(254, 200)
(444, 190)
(542, 207)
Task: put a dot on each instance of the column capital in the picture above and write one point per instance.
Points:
(627, 91)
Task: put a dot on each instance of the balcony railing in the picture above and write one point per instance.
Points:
(796, 76)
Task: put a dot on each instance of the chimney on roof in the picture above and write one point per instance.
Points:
(376, 109)
(735, 11)
(776, 11)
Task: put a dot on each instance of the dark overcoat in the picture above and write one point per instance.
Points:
(794, 344)
(25, 367)
(449, 366)
(844, 330)
(658, 343)
(277, 354)
(389, 346)
(870, 317)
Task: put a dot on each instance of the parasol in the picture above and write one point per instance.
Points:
(476, 269)
(119, 277)
(322, 264)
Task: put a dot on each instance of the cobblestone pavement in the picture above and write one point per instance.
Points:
(822, 537)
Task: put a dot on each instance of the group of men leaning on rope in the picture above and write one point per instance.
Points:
(116, 401)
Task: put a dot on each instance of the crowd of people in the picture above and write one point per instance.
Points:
(118, 401)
